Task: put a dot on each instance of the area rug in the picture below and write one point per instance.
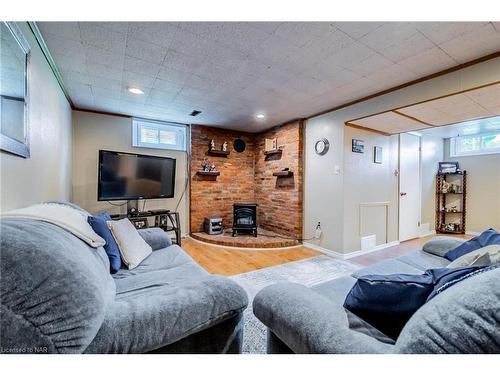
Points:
(307, 272)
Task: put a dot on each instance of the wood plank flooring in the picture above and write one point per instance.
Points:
(228, 261)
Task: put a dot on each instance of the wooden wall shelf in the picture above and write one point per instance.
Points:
(203, 173)
(283, 174)
(273, 152)
(218, 153)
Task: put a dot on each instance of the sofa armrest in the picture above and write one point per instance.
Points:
(441, 245)
(308, 322)
(155, 237)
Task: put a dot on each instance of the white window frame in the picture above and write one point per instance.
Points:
(482, 151)
(181, 134)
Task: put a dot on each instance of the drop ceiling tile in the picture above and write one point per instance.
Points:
(104, 71)
(387, 35)
(427, 62)
(346, 57)
(413, 45)
(69, 30)
(370, 65)
(268, 27)
(101, 56)
(66, 47)
(135, 65)
(127, 96)
(161, 33)
(440, 32)
(179, 61)
(142, 50)
(160, 98)
(333, 43)
(191, 44)
(79, 89)
(73, 63)
(487, 97)
(302, 33)
(105, 82)
(72, 76)
(119, 27)
(131, 79)
(111, 93)
(102, 38)
(358, 30)
(390, 122)
(477, 43)
(173, 75)
(168, 86)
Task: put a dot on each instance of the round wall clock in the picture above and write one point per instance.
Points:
(239, 145)
(321, 147)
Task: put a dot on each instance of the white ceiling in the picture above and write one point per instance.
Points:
(465, 128)
(470, 106)
(232, 71)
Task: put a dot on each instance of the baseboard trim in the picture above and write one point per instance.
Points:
(350, 255)
(429, 233)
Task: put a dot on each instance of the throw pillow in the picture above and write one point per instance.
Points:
(441, 245)
(387, 302)
(100, 226)
(488, 237)
(133, 248)
(469, 259)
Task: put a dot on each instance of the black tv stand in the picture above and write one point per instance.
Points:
(165, 219)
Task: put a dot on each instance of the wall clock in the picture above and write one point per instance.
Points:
(321, 147)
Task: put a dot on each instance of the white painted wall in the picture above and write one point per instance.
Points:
(483, 189)
(432, 153)
(93, 132)
(46, 175)
(324, 191)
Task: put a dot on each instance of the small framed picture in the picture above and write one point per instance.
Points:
(377, 154)
(446, 167)
(358, 146)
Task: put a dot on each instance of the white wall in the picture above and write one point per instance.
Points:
(432, 153)
(324, 191)
(93, 132)
(46, 175)
(483, 189)
(368, 183)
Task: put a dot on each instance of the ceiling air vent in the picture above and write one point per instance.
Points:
(195, 113)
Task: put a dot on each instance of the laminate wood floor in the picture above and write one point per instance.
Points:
(229, 261)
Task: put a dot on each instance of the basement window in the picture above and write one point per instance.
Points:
(156, 134)
(478, 144)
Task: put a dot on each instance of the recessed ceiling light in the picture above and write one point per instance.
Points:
(260, 115)
(135, 90)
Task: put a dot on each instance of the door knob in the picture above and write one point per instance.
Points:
(402, 194)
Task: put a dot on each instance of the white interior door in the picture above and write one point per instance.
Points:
(409, 186)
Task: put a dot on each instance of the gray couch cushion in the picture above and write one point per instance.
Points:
(441, 245)
(178, 276)
(423, 261)
(155, 237)
(147, 319)
(388, 267)
(309, 322)
(464, 318)
(54, 288)
(336, 291)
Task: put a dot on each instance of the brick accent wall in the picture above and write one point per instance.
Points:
(280, 198)
(247, 177)
(212, 196)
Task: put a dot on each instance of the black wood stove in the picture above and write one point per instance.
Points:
(245, 218)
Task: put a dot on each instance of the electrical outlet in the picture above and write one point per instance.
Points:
(318, 231)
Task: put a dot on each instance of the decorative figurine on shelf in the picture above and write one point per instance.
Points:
(212, 145)
(224, 147)
(445, 186)
(205, 166)
(212, 168)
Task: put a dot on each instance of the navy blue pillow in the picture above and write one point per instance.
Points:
(387, 302)
(98, 224)
(488, 237)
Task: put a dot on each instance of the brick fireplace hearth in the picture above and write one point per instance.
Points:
(248, 177)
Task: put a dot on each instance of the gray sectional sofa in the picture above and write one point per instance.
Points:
(57, 296)
(465, 318)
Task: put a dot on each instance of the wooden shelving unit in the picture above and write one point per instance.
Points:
(445, 216)
(218, 153)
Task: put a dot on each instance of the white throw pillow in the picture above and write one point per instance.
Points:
(471, 258)
(133, 248)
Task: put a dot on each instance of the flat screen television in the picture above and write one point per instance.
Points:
(126, 176)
